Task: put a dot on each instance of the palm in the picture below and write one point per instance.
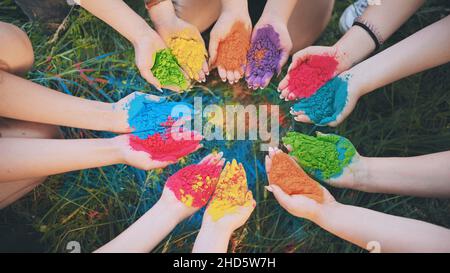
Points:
(232, 221)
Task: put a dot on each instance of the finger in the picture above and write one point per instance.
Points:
(148, 76)
(222, 73)
(237, 76)
(265, 80)
(256, 82)
(283, 199)
(284, 83)
(201, 76)
(268, 163)
(205, 68)
(250, 81)
(303, 118)
(154, 98)
(206, 159)
(230, 77)
(284, 93)
(291, 96)
(160, 164)
(173, 88)
(288, 147)
(283, 59)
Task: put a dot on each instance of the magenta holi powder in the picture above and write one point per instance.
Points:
(264, 55)
(193, 185)
(311, 74)
(163, 146)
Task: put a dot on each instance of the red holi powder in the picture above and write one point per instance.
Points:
(194, 184)
(163, 147)
(308, 76)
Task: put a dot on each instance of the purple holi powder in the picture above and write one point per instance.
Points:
(264, 55)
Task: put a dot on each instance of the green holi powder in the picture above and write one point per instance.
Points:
(167, 70)
(324, 156)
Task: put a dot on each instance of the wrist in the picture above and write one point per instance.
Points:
(162, 13)
(112, 150)
(325, 212)
(354, 46)
(273, 10)
(235, 6)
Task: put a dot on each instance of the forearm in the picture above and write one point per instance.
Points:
(146, 233)
(25, 100)
(27, 158)
(119, 16)
(162, 13)
(210, 240)
(356, 44)
(427, 176)
(423, 50)
(234, 6)
(393, 234)
(282, 11)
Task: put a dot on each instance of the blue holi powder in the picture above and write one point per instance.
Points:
(327, 103)
(146, 116)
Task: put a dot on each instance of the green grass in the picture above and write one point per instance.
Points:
(407, 118)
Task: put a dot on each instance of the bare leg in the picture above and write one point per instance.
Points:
(307, 22)
(17, 57)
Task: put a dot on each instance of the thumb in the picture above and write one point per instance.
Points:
(283, 198)
(149, 77)
(283, 59)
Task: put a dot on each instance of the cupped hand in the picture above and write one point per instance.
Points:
(137, 159)
(145, 49)
(120, 110)
(331, 104)
(227, 32)
(230, 221)
(192, 54)
(342, 59)
(283, 48)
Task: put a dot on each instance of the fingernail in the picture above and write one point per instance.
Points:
(268, 188)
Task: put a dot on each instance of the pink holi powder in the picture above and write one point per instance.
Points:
(308, 76)
(194, 184)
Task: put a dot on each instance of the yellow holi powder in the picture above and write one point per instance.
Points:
(231, 192)
(190, 52)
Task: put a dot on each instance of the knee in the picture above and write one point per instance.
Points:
(16, 56)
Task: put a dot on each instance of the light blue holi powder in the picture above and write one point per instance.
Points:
(146, 117)
(327, 103)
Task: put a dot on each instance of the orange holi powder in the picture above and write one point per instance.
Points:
(231, 192)
(232, 51)
(286, 174)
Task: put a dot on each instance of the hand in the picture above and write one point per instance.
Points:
(121, 108)
(343, 63)
(225, 28)
(193, 58)
(257, 80)
(145, 49)
(137, 159)
(352, 174)
(230, 221)
(331, 104)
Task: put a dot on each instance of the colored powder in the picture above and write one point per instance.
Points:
(163, 147)
(147, 117)
(167, 70)
(189, 51)
(265, 53)
(297, 182)
(308, 76)
(193, 185)
(324, 156)
(232, 51)
(231, 192)
(327, 103)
